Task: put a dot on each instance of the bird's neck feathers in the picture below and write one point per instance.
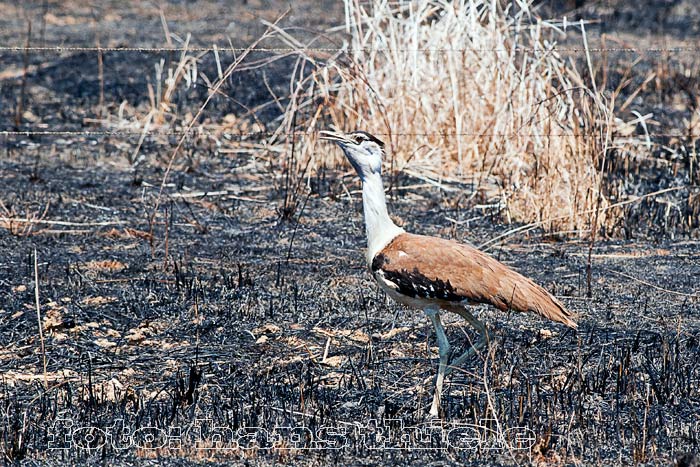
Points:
(380, 228)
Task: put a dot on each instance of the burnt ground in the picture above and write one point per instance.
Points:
(243, 300)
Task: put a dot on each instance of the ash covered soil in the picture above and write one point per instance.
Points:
(245, 301)
(233, 326)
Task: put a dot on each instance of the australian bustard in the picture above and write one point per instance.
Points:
(431, 273)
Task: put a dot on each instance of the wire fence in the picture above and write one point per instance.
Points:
(228, 48)
(264, 134)
(280, 50)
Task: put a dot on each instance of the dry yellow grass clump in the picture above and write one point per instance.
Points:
(472, 90)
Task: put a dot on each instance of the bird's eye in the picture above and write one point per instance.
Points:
(362, 137)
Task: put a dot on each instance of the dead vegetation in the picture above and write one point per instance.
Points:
(474, 91)
(21, 225)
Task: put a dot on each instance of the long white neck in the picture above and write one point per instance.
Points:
(380, 228)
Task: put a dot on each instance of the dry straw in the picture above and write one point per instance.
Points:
(466, 89)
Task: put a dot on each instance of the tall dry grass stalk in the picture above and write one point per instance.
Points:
(467, 89)
(168, 79)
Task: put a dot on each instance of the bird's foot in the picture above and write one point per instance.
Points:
(434, 412)
(435, 407)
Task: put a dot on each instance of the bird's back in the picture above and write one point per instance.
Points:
(439, 270)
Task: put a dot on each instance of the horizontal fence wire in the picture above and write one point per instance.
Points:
(196, 132)
(228, 48)
(225, 48)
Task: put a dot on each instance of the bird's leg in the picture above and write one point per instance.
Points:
(444, 351)
(478, 345)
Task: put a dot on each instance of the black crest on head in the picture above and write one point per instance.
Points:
(366, 136)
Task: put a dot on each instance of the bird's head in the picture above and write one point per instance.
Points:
(363, 150)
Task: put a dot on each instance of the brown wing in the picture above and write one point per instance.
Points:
(435, 268)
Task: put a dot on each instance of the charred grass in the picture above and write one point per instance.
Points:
(232, 317)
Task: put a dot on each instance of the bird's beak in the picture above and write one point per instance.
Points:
(334, 136)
